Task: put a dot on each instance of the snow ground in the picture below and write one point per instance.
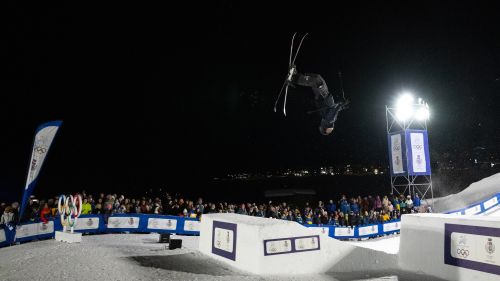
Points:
(141, 257)
(387, 244)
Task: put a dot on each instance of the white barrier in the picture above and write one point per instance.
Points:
(2, 236)
(269, 246)
(451, 247)
(160, 223)
(493, 212)
(191, 225)
(123, 222)
(33, 229)
(87, 223)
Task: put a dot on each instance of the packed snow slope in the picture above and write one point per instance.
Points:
(474, 193)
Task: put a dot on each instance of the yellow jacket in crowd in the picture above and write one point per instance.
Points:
(86, 209)
(385, 217)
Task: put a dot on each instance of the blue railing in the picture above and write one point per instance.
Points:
(180, 225)
(488, 205)
(95, 224)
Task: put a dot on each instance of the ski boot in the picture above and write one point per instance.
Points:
(291, 72)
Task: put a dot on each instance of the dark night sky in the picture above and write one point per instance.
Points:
(151, 94)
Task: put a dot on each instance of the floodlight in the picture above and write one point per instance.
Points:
(422, 113)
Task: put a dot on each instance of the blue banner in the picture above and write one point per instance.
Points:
(44, 136)
(417, 145)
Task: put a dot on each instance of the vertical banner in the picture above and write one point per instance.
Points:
(44, 136)
(418, 152)
(397, 154)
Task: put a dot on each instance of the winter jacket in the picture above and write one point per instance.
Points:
(355, 208)
(6, 218)
(45, 214)
(416, 202)
(344, 207)
(378, 203)
(409, 203)
(331, 208)
(86, 209)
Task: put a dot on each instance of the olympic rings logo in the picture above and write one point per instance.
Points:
(41, 149)
(462, 252)
(397, 147)
(70, 208)
(417, 146)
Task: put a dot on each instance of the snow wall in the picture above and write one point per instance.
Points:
(268, 246)
(450, 246)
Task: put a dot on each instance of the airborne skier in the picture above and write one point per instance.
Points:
(324, 101)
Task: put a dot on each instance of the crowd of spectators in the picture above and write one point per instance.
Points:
(355, 211)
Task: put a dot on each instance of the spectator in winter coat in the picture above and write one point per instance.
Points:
(378, 204)
(344, 207)
(212, 209)
(402, 206)
(385, 217)
(144, 207)
(354, 207)
(45, 213)
(366, 218)
(371, 203)
(416, 201)
(107, 211)
(7, 216)
(373, 218)
(390, 208)
(199, 205)
(385, 203)
(341, 219)
(242, 210)
(365, 205)
(409, 202)
(330, 207)
(324, 218)
(86, 207)
(98, 207)
(272, 213)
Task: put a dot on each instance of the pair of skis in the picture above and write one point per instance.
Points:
(291, 72)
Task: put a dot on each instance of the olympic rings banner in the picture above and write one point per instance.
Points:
(472, 247)
(44, 136)
(397, 155)
(417, 145)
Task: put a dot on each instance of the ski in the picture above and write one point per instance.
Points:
(291, 69)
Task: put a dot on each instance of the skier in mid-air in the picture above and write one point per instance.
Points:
(324, 101)
(325, 104)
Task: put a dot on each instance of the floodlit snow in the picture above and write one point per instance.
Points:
(387, 244)
(141, 257)
(474, 193)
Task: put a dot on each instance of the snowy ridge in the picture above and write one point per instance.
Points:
(473, 195)
(486, 207)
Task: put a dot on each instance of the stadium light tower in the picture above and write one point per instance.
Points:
(409, 158)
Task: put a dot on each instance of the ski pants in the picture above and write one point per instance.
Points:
(318, 86)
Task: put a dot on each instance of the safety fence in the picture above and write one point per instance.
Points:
(96, 224)
(365, 231)
(488, 206)
(190, 226)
